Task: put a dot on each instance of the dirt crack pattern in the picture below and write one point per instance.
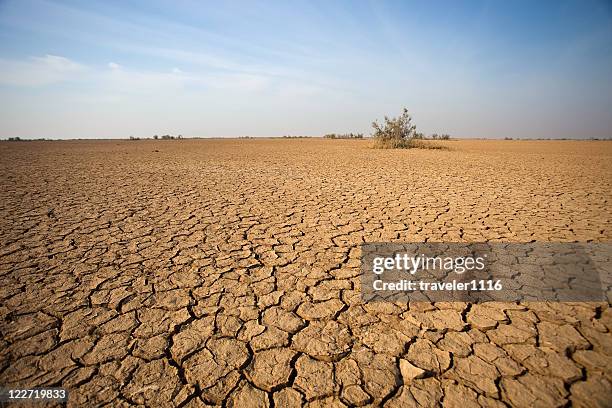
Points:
(226, 272)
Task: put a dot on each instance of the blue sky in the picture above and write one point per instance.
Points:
(89, 69)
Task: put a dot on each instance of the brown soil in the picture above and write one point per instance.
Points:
(199, 272)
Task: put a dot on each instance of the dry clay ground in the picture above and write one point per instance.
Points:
(203, 272)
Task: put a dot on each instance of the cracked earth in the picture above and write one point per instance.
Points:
(208, 272)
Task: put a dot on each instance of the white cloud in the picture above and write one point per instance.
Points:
(57, 63)
(176, 71)
(114, 65)
(37, 71)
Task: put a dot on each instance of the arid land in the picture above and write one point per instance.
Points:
(226, 272)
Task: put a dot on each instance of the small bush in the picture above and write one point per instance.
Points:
(400, 133)
(395, 133)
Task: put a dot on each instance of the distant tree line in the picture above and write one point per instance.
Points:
(444, 136)
(18, 139)
(167, 137)
(434, 136)
(414, 135)
(344, 136)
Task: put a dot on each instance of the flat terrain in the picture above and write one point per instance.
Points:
(199, 272)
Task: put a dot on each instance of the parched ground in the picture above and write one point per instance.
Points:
(205, 272)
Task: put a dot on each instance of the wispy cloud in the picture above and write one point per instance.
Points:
(37, 71)
(115, 78)
(121, 79)
(176, 43)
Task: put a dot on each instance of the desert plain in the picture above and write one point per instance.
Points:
(226, 272)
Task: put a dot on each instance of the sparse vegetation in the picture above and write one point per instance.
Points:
(163, 137)
(344, 136)
(18, 139)
(395, 133)
(400, 133)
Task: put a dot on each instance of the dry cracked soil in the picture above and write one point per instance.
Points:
(226, 272)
